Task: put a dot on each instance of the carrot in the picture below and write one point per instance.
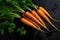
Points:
(33, 23)
(34, 13)
(37, 16)
(29, 15)
(27, 22)
(46, 13)
(41, 13)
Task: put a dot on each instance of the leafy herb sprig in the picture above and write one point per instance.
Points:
(7, 17)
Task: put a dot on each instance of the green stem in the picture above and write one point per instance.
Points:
(16, 15)
(20, 9)
(28, 8)
(32, 5)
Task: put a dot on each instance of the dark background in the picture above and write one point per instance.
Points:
(53, 6)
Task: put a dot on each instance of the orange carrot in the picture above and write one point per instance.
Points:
(25, 21)
(30, 20)
(46, 13)
(41, 13)
(29, 15)
(34, 13)
(33, 23)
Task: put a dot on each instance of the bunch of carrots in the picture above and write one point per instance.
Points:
(34, 20)
(33, 17)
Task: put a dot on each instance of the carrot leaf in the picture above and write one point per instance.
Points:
(7, 17)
